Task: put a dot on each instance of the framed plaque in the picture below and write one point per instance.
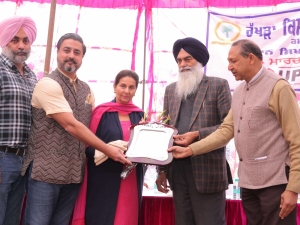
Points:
(149, 143)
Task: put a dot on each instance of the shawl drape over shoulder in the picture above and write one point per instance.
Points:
(79, 209)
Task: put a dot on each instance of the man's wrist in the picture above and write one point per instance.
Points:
(189, 148)
(161, 169)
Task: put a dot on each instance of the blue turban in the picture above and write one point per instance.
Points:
(192, 46)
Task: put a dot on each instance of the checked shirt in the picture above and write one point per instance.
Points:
(15, 103)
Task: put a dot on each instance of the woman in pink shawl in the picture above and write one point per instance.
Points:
(109, 199)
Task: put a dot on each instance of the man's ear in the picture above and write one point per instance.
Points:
(252, 58)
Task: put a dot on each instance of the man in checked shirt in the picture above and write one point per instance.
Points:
(16, 85)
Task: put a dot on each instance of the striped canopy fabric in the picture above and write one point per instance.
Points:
(134, 4)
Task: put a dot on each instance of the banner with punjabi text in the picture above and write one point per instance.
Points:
(277, 34)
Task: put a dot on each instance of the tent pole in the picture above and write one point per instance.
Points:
(50, 37)
(144, 64)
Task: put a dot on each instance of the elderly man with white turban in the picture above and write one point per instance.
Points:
(17, 81)
(197, 105)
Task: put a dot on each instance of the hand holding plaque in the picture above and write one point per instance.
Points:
(148, 143)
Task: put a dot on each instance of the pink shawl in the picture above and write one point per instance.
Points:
(78, 217)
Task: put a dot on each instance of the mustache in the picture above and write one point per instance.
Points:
(185, 68)
(70, 60)
(21, 51)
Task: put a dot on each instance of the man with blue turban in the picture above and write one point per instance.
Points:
(17, 81)
(197, 105)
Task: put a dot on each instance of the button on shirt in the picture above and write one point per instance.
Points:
(15, 103)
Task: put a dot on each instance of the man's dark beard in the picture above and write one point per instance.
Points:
(69, 68)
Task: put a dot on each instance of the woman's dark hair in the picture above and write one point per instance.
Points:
(126, 73)
(248, 47)
(72, 36)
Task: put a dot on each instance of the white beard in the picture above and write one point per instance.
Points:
(188, 81)
(13, 55)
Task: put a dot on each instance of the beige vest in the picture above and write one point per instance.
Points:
(57, 156)
(258, 137)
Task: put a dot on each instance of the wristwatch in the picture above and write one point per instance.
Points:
(161, 169)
